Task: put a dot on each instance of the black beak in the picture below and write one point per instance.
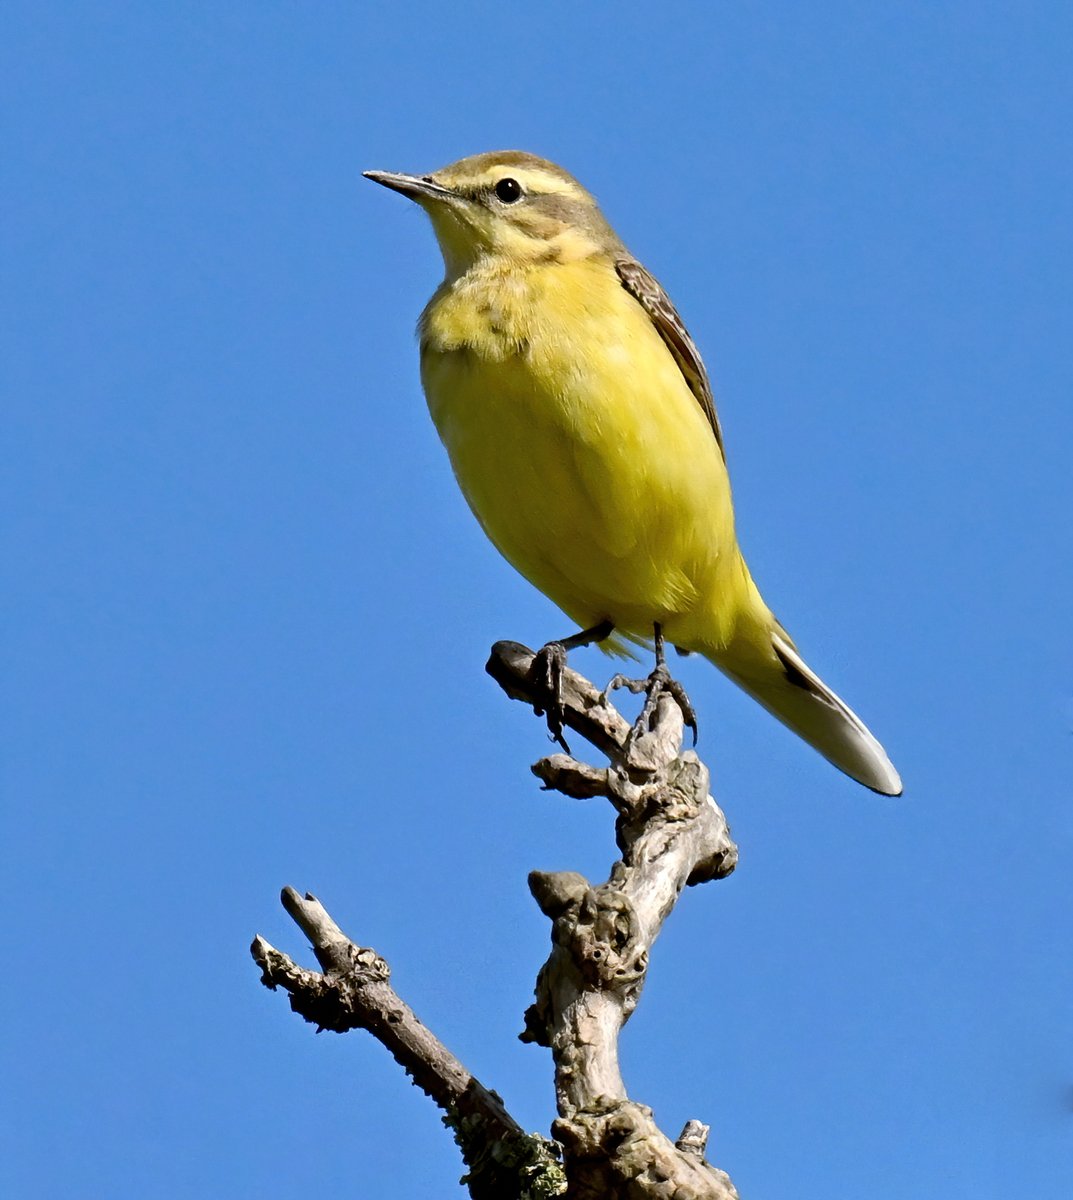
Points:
(417, 187)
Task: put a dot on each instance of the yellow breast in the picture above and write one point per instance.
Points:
(580, 448)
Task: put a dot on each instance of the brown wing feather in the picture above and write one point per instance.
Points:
(648, 292)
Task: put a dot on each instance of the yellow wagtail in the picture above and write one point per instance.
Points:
(580, 424)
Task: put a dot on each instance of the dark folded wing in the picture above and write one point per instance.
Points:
(646, 290)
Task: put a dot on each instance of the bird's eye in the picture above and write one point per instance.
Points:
(508, 190)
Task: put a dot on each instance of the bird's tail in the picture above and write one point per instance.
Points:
(794, 693)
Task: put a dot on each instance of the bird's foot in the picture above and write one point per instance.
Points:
(660, 683)
(546, 672)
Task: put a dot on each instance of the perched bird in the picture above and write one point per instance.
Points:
(580, 424)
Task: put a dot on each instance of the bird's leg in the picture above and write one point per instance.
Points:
(547, 672)
(659, 683)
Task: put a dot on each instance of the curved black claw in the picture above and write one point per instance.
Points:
(546, 672)
(659, 683)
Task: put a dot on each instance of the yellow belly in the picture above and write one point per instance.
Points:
(582, 451)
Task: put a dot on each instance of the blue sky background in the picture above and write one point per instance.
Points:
(245, 611)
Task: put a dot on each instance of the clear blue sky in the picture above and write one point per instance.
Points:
(245, 612)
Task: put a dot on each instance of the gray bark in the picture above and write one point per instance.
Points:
(670, 833)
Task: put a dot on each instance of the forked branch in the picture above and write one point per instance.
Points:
(670, 833)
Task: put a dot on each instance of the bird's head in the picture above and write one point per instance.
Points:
(506, 205)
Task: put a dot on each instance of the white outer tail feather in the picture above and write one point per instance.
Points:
(808, 706)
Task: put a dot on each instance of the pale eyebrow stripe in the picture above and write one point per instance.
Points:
(533, 179)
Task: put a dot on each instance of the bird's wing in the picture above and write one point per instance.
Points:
(648, 292)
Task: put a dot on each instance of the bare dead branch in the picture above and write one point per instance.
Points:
(353, 992)
(670, 833)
